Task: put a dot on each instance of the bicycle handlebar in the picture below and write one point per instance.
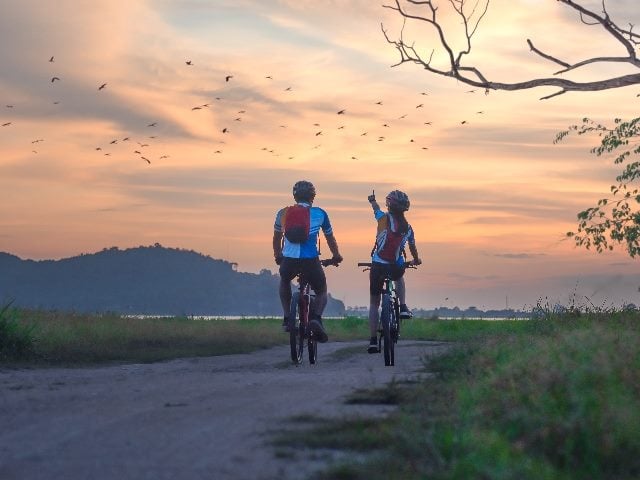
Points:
(408, 264)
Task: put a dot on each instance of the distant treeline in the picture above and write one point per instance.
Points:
(151, 280)
(454, 312)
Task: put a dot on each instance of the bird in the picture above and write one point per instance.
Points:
(142, 145)
(56, 103)
(242, 111)
(385, 125)
(125, 139)
(33, 151)
(480, 112)
(471, 91)
(137, 151)
(146, 160)
(425, 148)
(164, 156)
(340, 127)
(189, 62)
(319, 133)
(283, 126)
(9, 106)
(51, 59)
(379, 103)
(53, 79)
(411, 141)
(427, 123)
(6, 124)
(288, 89)
(424, 93)
(113, 142)
(380, 139)
(38, 140)
(153, 136)
(196, 108)
(419, 106)
(225, 130)
(463, 122)
(218, 151)
(239, 119)
(400, 118)
(98, 149)
(152, 124)
(363, 134)
(101, 87)
(269, 77)
(353, 158)
(228, 77)
(341, 112)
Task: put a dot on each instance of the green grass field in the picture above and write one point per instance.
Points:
(557, 398)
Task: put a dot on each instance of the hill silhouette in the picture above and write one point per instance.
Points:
(152, 280)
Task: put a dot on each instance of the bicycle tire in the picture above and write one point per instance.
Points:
(296, 332)
(385, 320)
(312, 344)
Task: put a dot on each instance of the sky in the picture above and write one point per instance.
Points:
(491, 198)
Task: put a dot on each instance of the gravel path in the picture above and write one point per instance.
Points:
(198, 418)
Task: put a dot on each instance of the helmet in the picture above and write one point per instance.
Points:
(398, 201)
(304, 191)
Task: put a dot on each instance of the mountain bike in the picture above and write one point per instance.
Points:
(389, 325)
(302, 304)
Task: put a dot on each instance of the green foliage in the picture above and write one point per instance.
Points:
(16, 338)
(614, 220)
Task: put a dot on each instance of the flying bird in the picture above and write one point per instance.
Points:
(189, 62)
(98, 149)
(9, 106)
(6, 124)
(164, 156)
(340, 127)
(424, 93)
(125, 139)
(341, 112)
(237, 119)
(152, 124)
(51, 59)
(228, 77)
(379, 103)
(137, 151)
(400, 118)
(471, 91)
(288, 89)
(196, 108)
(218, 151)
(363, 134)
(385, 125)
(463, 122)
(146, 160)
(53, 79)
(427, 123)
(480, 112)
(425, 148)
(225, 130)
(319, 133)
(101, 87)
(242, 111)
(113, 142)
(419, 106)
(269, 77)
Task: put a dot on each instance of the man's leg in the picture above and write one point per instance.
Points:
(285, 296)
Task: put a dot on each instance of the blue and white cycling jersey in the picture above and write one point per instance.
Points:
(382, 218)
(319, 220)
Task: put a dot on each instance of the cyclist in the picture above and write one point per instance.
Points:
(295, 248)
(387, 256)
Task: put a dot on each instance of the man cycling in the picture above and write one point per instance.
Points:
(300, 255)
(393, 233)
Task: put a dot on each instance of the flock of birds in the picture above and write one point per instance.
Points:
(140, 147)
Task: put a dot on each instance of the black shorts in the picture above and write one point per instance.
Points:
(310, 269)
(378, 273)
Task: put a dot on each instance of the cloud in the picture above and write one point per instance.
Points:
(518, 256)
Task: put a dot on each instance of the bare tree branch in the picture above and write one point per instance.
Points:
(426, 11)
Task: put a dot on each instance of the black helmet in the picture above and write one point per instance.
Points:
(304, 191)
(398, 201)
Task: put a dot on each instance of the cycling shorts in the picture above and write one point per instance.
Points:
(309, 268)
(378, 273)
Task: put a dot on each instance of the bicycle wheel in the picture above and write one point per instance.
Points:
(385, 320)
(312, 344)
(296, 331)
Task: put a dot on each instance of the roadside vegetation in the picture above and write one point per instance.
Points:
(34, 337)
(552, 398)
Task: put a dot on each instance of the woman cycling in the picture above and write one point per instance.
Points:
(387, 256)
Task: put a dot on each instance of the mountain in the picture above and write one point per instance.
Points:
(145, 280)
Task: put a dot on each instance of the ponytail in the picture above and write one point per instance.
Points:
(402, 226)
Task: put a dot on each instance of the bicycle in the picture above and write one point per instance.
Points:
(389, 324)
(302, 303)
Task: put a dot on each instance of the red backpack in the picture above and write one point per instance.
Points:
(296, 223)
(388, 245)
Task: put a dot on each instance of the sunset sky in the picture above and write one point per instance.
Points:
(491, 199)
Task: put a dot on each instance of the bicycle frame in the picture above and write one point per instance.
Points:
(302, 304)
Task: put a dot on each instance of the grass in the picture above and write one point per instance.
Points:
(556, 398)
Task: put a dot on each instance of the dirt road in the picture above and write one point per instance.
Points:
(202, 418)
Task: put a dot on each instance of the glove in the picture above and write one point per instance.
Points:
(337, 258)
(371, 198)
(278, 259)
